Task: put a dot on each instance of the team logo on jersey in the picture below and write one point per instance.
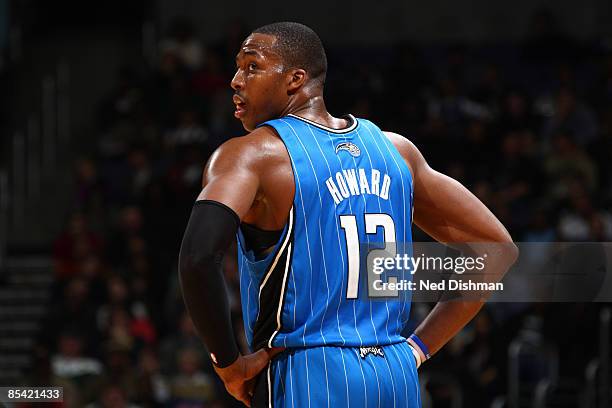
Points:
(352, 148)
(375, 350)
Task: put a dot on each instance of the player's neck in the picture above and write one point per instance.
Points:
(314, 109)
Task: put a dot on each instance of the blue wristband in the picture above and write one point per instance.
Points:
(421, 345)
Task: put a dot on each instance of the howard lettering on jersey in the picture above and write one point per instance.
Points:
(352, 182)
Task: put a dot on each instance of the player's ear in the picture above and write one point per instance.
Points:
(295, 79)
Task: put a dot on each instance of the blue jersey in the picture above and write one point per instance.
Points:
(353, 193)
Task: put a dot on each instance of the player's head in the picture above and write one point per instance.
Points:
(299, 47)
(276, 65)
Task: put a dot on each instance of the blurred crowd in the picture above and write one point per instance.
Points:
(527, 127)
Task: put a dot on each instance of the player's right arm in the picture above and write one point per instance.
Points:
(450, 213)
(230, 185)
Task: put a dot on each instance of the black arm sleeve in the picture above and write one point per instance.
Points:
(211, 229)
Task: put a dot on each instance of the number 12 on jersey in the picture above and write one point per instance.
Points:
(372, 222)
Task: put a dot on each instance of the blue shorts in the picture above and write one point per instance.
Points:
(382, 376)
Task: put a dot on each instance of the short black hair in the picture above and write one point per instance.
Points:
(299, 47)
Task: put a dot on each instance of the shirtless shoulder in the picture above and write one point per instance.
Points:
(411, 154)
(257, 161)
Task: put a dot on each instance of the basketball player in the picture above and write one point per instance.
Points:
(304, 191)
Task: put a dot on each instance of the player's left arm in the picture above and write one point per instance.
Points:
(451, 214)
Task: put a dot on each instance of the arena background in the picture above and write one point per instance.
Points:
(110, 109)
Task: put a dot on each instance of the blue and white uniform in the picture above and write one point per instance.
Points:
(314, 294)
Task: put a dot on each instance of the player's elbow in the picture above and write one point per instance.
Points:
(507, 253)
(507, 249)
(512, 252)
(502, 252)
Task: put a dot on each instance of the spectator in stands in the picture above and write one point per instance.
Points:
(490, 89)
(74, 244)
(571, 117)
(152, 387)
(516, 113)
(191, 385)
(568, 164)
(484, 361)
(184, 337)
(583, 222)
(94, 272)
(211, 78)
(119, 114)
(117, 297)
(183, 42)
(518, 178)
(90, 189)
(118, 370)
(128, 239)
(540, 228)
(75, 313)
(70, 363)
(188, 132)
(42, 375)
(185, 175)
(112, 396)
